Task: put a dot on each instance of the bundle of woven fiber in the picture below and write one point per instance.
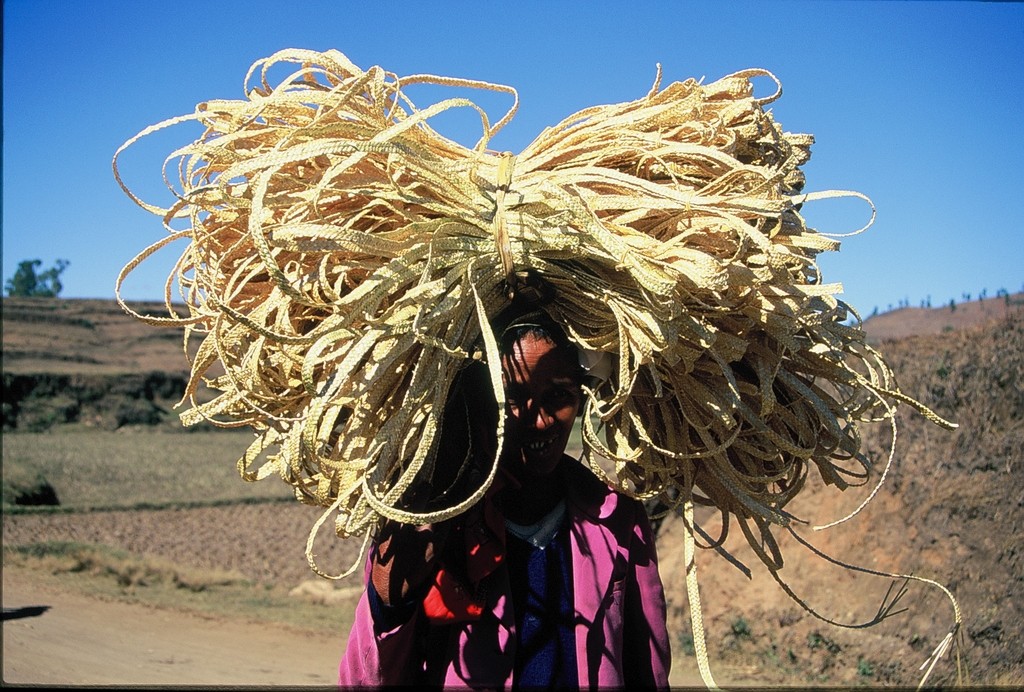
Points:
(345, 260)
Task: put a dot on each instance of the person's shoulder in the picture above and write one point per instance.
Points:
(592, 495)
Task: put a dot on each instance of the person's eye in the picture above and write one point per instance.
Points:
(563, 396)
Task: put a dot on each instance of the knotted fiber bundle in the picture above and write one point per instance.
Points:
(344, 261)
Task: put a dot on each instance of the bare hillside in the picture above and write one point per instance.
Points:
(951, 510)
(85, 336)
(89, 336)
(905, 322)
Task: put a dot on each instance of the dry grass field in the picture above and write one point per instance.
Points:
(150, 514)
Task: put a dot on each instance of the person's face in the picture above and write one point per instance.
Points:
(543, 398)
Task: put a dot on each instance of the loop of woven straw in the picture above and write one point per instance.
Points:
(346, 258)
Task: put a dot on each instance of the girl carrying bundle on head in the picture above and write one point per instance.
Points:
(551, 581)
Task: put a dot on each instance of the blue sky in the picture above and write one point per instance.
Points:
(915, 104)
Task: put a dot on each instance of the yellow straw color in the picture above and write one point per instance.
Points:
(344, 260)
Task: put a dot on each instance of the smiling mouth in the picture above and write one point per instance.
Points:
(539, 445)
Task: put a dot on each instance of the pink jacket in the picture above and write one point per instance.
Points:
(621, 636)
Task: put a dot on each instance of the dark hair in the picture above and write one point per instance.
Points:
(540, 325)
(537, 323)
(525, 313)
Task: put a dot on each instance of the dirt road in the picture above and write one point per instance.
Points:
(53, 637)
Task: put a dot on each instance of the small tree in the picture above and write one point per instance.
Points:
(27, 283)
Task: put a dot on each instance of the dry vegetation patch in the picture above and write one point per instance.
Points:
(131, 468)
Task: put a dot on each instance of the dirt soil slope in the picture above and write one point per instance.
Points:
(951, 510)
(87, 337)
